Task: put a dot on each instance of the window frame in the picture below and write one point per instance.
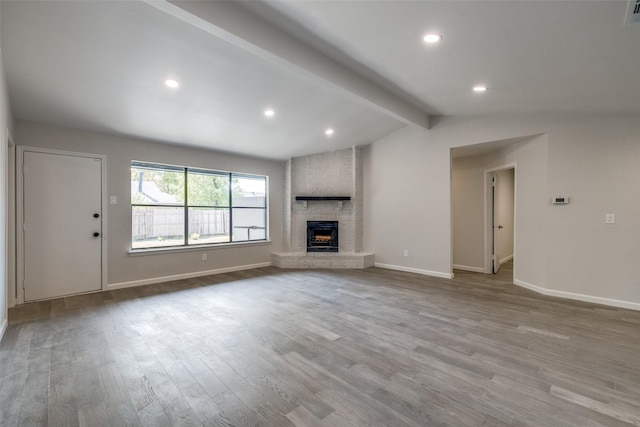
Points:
(185, 206)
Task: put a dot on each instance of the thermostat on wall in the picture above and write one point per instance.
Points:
(560, 200)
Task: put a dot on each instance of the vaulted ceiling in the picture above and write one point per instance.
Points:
(360, 68)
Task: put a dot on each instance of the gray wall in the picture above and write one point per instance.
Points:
(468, 213)
(125, 268)
(5, 207)
(560, 250)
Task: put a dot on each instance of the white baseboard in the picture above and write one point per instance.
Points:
(3, 328)
(414, 270)
(507, 259)
(162, 279)
(579, 297)
(468, 268)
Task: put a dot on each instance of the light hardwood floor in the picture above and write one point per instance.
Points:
(275, 347)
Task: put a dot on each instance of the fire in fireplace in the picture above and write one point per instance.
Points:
(322, 236)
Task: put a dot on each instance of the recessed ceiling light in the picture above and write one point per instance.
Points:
(480, 88)
(328, 132)
(269, 112)
(172, 83)
(432, 38)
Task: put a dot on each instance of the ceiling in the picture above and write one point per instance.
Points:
(358, 67)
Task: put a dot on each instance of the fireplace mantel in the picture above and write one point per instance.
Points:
(320, 198)
(306, 199)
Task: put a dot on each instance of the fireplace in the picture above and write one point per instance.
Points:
(322, 236)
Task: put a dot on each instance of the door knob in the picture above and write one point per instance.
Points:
(96, 215)
(96, 234)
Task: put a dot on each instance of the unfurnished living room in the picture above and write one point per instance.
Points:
(320, 213)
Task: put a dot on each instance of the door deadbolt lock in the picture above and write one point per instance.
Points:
(96, 234)
(96, 215)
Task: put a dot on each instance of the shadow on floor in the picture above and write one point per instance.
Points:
(503, 276)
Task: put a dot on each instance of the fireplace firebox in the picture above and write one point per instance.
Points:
(322, 236)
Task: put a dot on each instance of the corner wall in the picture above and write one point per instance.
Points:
(407, 203)
(334, 173)
(566, 251)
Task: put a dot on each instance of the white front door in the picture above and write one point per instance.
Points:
(62, 223)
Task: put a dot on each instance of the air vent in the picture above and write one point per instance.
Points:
(633, 13)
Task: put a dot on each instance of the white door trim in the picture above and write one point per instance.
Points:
(488, 212)
(20, 212)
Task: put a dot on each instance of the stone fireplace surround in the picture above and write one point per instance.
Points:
(324, 175)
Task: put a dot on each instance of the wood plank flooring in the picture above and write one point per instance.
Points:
(272, 347)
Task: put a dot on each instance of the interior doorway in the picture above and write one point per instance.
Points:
(501, 218)
(472, 169)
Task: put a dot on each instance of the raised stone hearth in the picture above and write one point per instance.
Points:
(322, 260)
(324, 187)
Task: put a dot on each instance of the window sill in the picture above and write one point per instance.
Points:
(177, 249)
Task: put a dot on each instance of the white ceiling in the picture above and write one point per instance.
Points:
(535, 56)
(357, 66)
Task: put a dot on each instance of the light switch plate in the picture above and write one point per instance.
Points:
(113, 200)
(609, 218)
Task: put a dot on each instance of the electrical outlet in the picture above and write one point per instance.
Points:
(204, 257)
(609, 218)
(406, 252)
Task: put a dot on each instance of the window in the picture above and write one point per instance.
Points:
(180, 206)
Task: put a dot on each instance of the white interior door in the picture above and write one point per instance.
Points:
(495, 225)
(62, 213)
(503, 217)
